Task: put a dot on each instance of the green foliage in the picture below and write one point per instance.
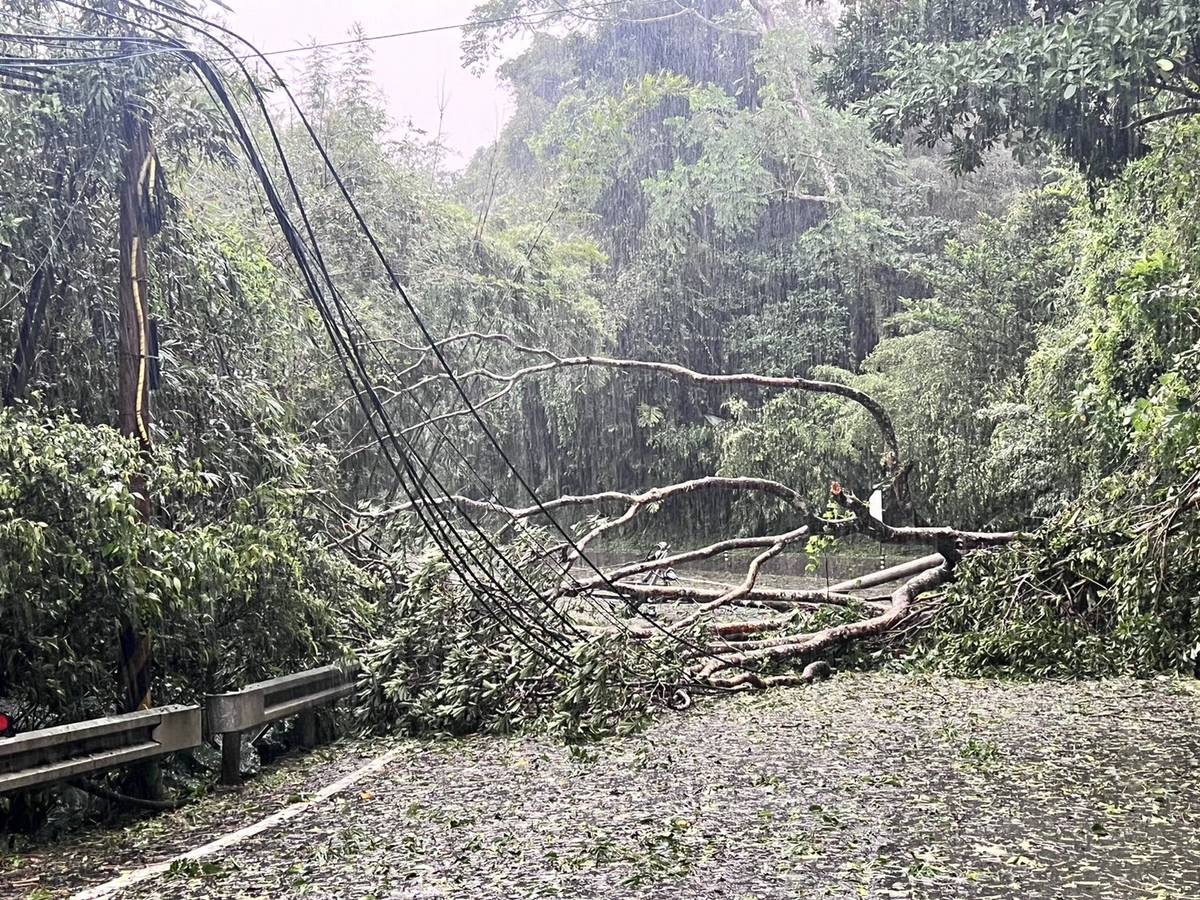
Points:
(451, 663)
(745, 226)
(951, 377)
(1134, 392)
(1105, 588)
(226, 597)
(806, 441)
(1083, 77)
(955, 377)
(1107, 411)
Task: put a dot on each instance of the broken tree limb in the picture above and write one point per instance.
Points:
(748, 582)
(781, 599)
(753, 654)
(711, 550)
(729, 631)
(555, 361)
(723, 664)
(806, 646)
(939, 536)
(653, 495)
(885, 576)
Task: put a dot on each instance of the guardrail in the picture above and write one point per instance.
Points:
(236, 712)
(63, 752)
(66, 751)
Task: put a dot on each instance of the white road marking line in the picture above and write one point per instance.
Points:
(137, 876)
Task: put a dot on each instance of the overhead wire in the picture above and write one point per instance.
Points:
(300, 205)
(425, 522)
(541, 17)
(442, 533)
(433, 344)
(414, 313)
(345, 347)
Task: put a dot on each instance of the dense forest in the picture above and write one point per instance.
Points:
(949, 248)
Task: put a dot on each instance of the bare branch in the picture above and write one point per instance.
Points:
(894, 573)
(781, 599)
(748, 582)
(939, 536)
(555, 361)
(1165, 114)
(729, 631)
(806, 646)
(707, 552)
(653, 495)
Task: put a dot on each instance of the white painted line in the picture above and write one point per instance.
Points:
(137, 876)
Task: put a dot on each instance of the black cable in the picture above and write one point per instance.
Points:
(335, 333)
(435, 529)
(378, 250)
(430, 340)
(434, 345)
(464, 574)
(384, 261)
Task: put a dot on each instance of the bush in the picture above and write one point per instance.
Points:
(451, 663)
(1108, 587)
(232, 591)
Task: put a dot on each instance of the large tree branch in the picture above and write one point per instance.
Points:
(748, 582)
(1164, 114)
(780, 599)
(612, 576)
(939, 536)
(806, 646)
(554, 361)
(653, 495)
(748, 656)
(951, 544)
(884, 576)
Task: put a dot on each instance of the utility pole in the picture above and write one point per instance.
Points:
(139, 220)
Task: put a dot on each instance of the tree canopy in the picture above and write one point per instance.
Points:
(1085, 78)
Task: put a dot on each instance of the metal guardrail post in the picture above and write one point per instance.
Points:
(234, 713)
(231, 758)
(308, 728)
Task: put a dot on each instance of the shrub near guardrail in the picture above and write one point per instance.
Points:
(231, 588)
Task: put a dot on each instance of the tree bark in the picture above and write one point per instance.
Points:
(884, 576)
(133, 367)
(27, 337)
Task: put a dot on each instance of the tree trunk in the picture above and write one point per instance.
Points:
(31, 326)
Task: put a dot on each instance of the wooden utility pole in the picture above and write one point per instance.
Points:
(134, 385)
(139, 220)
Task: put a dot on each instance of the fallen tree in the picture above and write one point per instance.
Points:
(625, 601)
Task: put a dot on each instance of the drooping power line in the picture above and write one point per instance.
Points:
(544, 15)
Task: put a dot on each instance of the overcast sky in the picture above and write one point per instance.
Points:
(410, 70)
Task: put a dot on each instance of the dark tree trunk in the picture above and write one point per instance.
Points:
(27, 338)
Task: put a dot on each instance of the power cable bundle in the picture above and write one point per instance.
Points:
(474, 557)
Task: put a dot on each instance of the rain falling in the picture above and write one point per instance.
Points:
(599, 448)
